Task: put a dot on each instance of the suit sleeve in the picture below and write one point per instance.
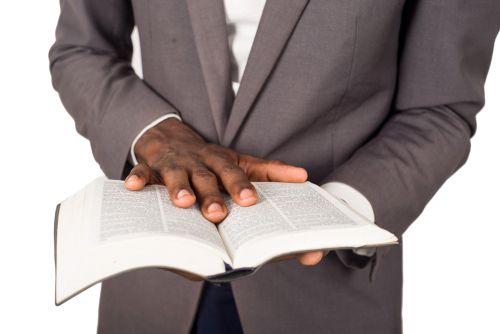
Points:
(444, 59)
(90, 64)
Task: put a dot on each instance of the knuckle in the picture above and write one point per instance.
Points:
(222, 162)
(138, 170)
(171, 166)
(212, 195)
(203, 173)
(192, 156)
(229, 169)
(208, 149)
(226, 154)
(239, 185)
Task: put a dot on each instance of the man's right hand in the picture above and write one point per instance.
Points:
(171, 153)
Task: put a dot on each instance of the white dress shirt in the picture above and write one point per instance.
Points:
(242, 18)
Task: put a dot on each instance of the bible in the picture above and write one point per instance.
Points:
(104, 230)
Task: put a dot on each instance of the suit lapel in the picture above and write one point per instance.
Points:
(209, 28)
(276, 25)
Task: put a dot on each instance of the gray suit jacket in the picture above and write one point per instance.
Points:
(380, 95)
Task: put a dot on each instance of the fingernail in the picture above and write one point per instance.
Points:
(214, 207)
(246, 194)
(183, 193)
(132, 178)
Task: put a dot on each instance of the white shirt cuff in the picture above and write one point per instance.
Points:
(356, 201)
(150, 125)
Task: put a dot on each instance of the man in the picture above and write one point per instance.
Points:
(374, 100)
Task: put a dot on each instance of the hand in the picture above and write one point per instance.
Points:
(171, 153)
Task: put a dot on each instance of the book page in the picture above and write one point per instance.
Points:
(124, 213)
(305, 206)
(104, 230)
(294, 218)
(281, 208)
(130, 214)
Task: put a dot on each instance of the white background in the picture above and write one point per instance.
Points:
(451, 271)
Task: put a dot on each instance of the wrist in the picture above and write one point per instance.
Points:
(132, 155)
(154, 139)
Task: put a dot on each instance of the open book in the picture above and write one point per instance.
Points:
(104, 230)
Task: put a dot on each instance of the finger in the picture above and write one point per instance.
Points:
(176, 179)
(310, 258)
(138, 177)
(271, 170)
(234, 180)
(212, 204)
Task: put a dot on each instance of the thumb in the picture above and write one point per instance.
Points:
(271, 170)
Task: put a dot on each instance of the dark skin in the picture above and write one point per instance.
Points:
(173, 154)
